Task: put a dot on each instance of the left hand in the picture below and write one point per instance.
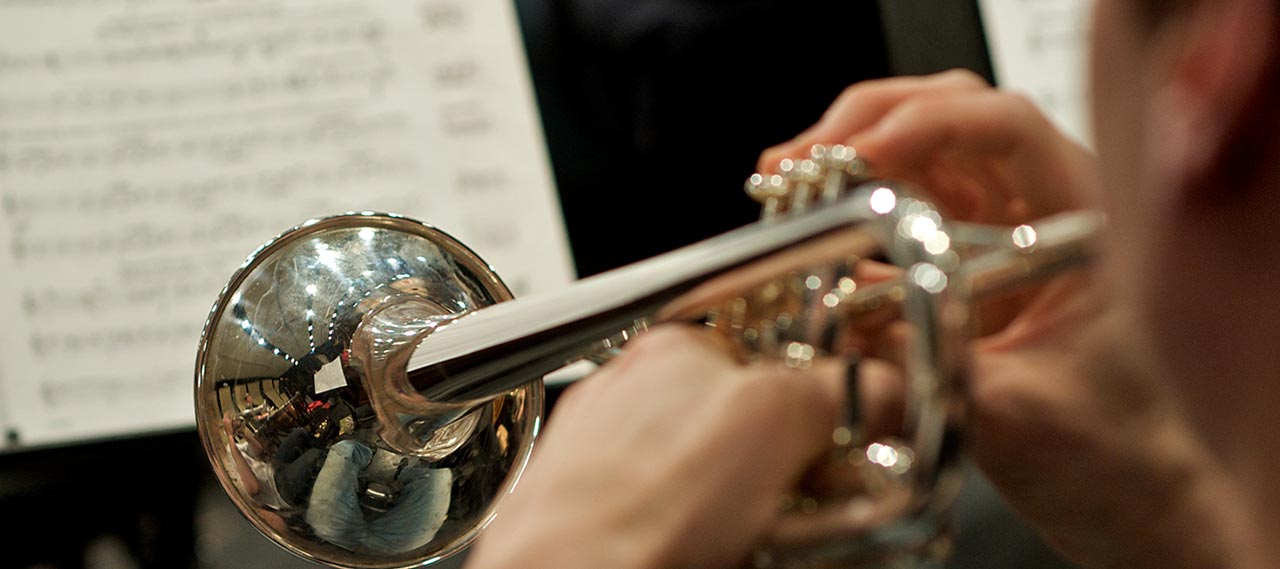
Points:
(672, 455)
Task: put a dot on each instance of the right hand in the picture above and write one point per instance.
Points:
(1094, 453)
(987, 156)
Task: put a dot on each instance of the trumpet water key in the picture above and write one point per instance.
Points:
(367, 389)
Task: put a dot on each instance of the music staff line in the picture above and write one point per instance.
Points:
(80, 342)
(123, 195)
(254, 89)
(223, 143)
(443, 16)
(459, 117)
(135, 238)
(212, 119)
(140, 237)
(146, 238)
(58, 391)
(270, 184)
(55, 302)
(136, 25)
(265, 46)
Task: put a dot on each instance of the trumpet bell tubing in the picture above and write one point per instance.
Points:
(366, 388)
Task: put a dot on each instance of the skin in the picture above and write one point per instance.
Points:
(1127, 412)
(1191, 179)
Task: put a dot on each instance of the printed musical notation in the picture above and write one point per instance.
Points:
(1038, 47)
(147, 146)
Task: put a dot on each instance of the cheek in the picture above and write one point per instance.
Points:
(1115, 95)
(1118, 99)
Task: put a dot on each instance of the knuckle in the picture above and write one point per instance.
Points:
(770, 158)
(864, 91)
(852, 90)
(964, 77)
(670, 345)
(1021, 117)
(915, 111)
(1019, 106)
(663, 341)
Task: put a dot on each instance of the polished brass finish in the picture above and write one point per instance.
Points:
(366, 388)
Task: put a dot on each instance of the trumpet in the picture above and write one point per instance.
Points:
(367, 389)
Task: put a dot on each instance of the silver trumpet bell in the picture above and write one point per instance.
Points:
(366, 387)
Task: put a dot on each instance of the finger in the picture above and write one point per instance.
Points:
(803, 407)
(863, 105)
(867, 396)
(985, 122)
(1066, 303)
(870, 271)
(864, 317)
(679, 346)
(991, 135)
(663, 355)
(881, 389)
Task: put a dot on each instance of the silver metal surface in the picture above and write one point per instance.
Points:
(295, 400)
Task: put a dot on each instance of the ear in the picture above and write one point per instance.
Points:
(1217, 77)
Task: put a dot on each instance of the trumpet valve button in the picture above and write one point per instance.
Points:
(767, 187)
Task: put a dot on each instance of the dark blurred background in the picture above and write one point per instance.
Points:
(654, 112)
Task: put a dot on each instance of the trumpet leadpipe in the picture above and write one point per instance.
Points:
(493, 350)
(1014, 257)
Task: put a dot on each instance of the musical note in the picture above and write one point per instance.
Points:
(103, 387)
(146, 148)
(480, 181)
(443, 15)
(456, 73)
(465, 118)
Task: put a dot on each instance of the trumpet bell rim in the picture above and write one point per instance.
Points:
(275, 357)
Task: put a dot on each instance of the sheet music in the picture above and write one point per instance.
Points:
(5, 424)
(1039, 47)
(147, 146)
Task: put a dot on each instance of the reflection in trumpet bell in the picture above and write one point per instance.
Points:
(305, 411)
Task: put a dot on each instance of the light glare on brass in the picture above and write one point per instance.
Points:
(1024, 236)
(929, 278)
(883, 200)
